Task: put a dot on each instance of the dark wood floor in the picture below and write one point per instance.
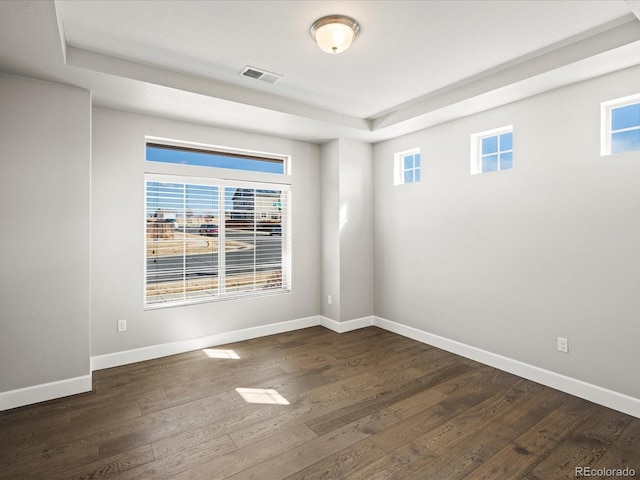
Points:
(362, 405)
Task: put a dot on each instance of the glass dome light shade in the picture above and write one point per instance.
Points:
(334, 34)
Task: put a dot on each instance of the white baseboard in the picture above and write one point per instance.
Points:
(349, 325)
(593, 393)
(126, 357)
(156, 351)
(46, 391)
(602, 396)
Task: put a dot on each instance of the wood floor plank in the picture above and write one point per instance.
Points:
(626, 450)
(363, 405)
(12, 445)
(125, 412)
(33, 423)
(527, 449)
(181, 452)
(245, 458)
(111, 467)
(317, 403)
(102, 431)
(178, 393)
(222, 415)
(463, 449)
(474, 390)
(324, 401)
(40, 412)
(583, 447)
(384, 399)
(395, 465)
(42, 463)
(420, 358)
(473, 419)
(307, 454)
(414, 404)
(341, 464)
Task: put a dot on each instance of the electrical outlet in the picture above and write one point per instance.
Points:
(329, 299)
(563, 345)
(122, 325)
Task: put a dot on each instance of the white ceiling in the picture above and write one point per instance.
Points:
(415, 63)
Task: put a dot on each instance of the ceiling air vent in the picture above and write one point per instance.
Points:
(261, 75)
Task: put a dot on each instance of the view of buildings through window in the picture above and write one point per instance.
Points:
(209, 239)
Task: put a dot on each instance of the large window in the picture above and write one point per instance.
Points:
(210, 239)
(621, 125)
(492, 150)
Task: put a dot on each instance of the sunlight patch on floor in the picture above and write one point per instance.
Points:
(262, 395)
(218, 353)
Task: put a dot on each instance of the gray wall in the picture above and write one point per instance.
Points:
(330, 194)
(118, 236)
(505, 262)
(347, 229)
(44, 232)
(356, 229)
(508, 261)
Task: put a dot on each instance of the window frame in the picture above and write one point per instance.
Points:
(400, 170)
(196, 147)
(476, 155)
(606, 127)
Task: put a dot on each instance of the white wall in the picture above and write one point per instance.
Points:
(44, 238)
(118, 235)
(508, 261)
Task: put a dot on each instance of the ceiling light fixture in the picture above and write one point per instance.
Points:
(334, 33)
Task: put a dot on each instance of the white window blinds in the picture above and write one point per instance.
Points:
(210, 239)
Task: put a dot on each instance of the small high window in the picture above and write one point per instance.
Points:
(407, 167)
(621, 125)
(190, 155)
(492, 150)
